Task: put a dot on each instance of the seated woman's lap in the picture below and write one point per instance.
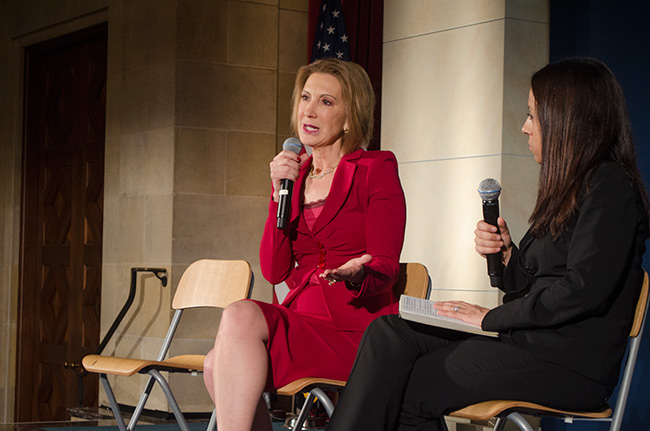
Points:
(427, 372)
(305, 346)
(481, 369)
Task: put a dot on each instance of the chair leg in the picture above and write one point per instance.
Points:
(325, 400)
(139, 408)
(182, 423)
(213, 421)
(520, 421)
(113, 402)
(500, 424)
(304, 411)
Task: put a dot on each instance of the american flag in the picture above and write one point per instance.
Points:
(331, 39)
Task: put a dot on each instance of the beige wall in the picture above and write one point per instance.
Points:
(455, 89)
(194, 90)
(197, 105)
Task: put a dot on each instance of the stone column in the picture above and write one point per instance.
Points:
(455, 90)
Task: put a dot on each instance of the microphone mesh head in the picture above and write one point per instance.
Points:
(489, 189)
(293, 145)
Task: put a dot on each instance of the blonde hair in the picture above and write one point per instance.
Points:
(358, 98)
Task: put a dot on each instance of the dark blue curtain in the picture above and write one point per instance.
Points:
(617, 33)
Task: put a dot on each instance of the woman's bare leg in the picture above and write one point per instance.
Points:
(208, 377)
(240, 369)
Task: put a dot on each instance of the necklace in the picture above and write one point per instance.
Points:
(319, 176)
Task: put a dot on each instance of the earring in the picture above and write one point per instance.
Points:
(345, 131)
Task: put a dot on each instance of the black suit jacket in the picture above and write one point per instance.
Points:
(571, 301)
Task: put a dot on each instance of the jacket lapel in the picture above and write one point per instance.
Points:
(341, 186)
(525, 241)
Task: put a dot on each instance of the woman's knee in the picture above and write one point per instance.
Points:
(378, 325)
(376, 335)
(208, 373)
(243, 318)
(381, 326)
(207, 362)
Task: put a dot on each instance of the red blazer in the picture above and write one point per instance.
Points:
(365, 212)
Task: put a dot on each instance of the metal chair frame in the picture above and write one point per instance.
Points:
(506, 410)
(205, 283)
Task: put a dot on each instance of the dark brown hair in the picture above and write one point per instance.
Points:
(583, 122)
(356, 91)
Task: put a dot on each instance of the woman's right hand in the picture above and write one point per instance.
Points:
(489, 241)
(286, 165)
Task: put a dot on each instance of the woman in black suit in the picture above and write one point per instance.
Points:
(570, 287)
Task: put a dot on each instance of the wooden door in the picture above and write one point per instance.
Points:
(61, 243)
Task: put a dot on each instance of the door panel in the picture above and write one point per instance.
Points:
(61, 247)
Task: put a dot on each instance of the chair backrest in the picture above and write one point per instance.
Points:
(213, 283)
(633, 351)
(641, 308)
(413, 280)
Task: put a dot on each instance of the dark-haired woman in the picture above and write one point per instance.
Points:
(570, 287)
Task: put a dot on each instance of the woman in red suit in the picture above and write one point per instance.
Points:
(339, 254)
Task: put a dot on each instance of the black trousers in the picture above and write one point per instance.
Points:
(407, 376)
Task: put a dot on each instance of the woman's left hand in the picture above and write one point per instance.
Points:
(469, 313)
(352, 271)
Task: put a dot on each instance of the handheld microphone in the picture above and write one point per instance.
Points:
(286, 186)
(489, 189)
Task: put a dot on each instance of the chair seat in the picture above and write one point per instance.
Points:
(128, 367)
(489, 409)
(194, 362)
(307, 382)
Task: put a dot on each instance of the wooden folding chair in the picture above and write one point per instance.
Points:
(512, 410)
(205, 283)
(413, 280)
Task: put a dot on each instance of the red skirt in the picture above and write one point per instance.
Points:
(304, 346)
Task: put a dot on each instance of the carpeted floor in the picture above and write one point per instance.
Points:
(194, 426)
